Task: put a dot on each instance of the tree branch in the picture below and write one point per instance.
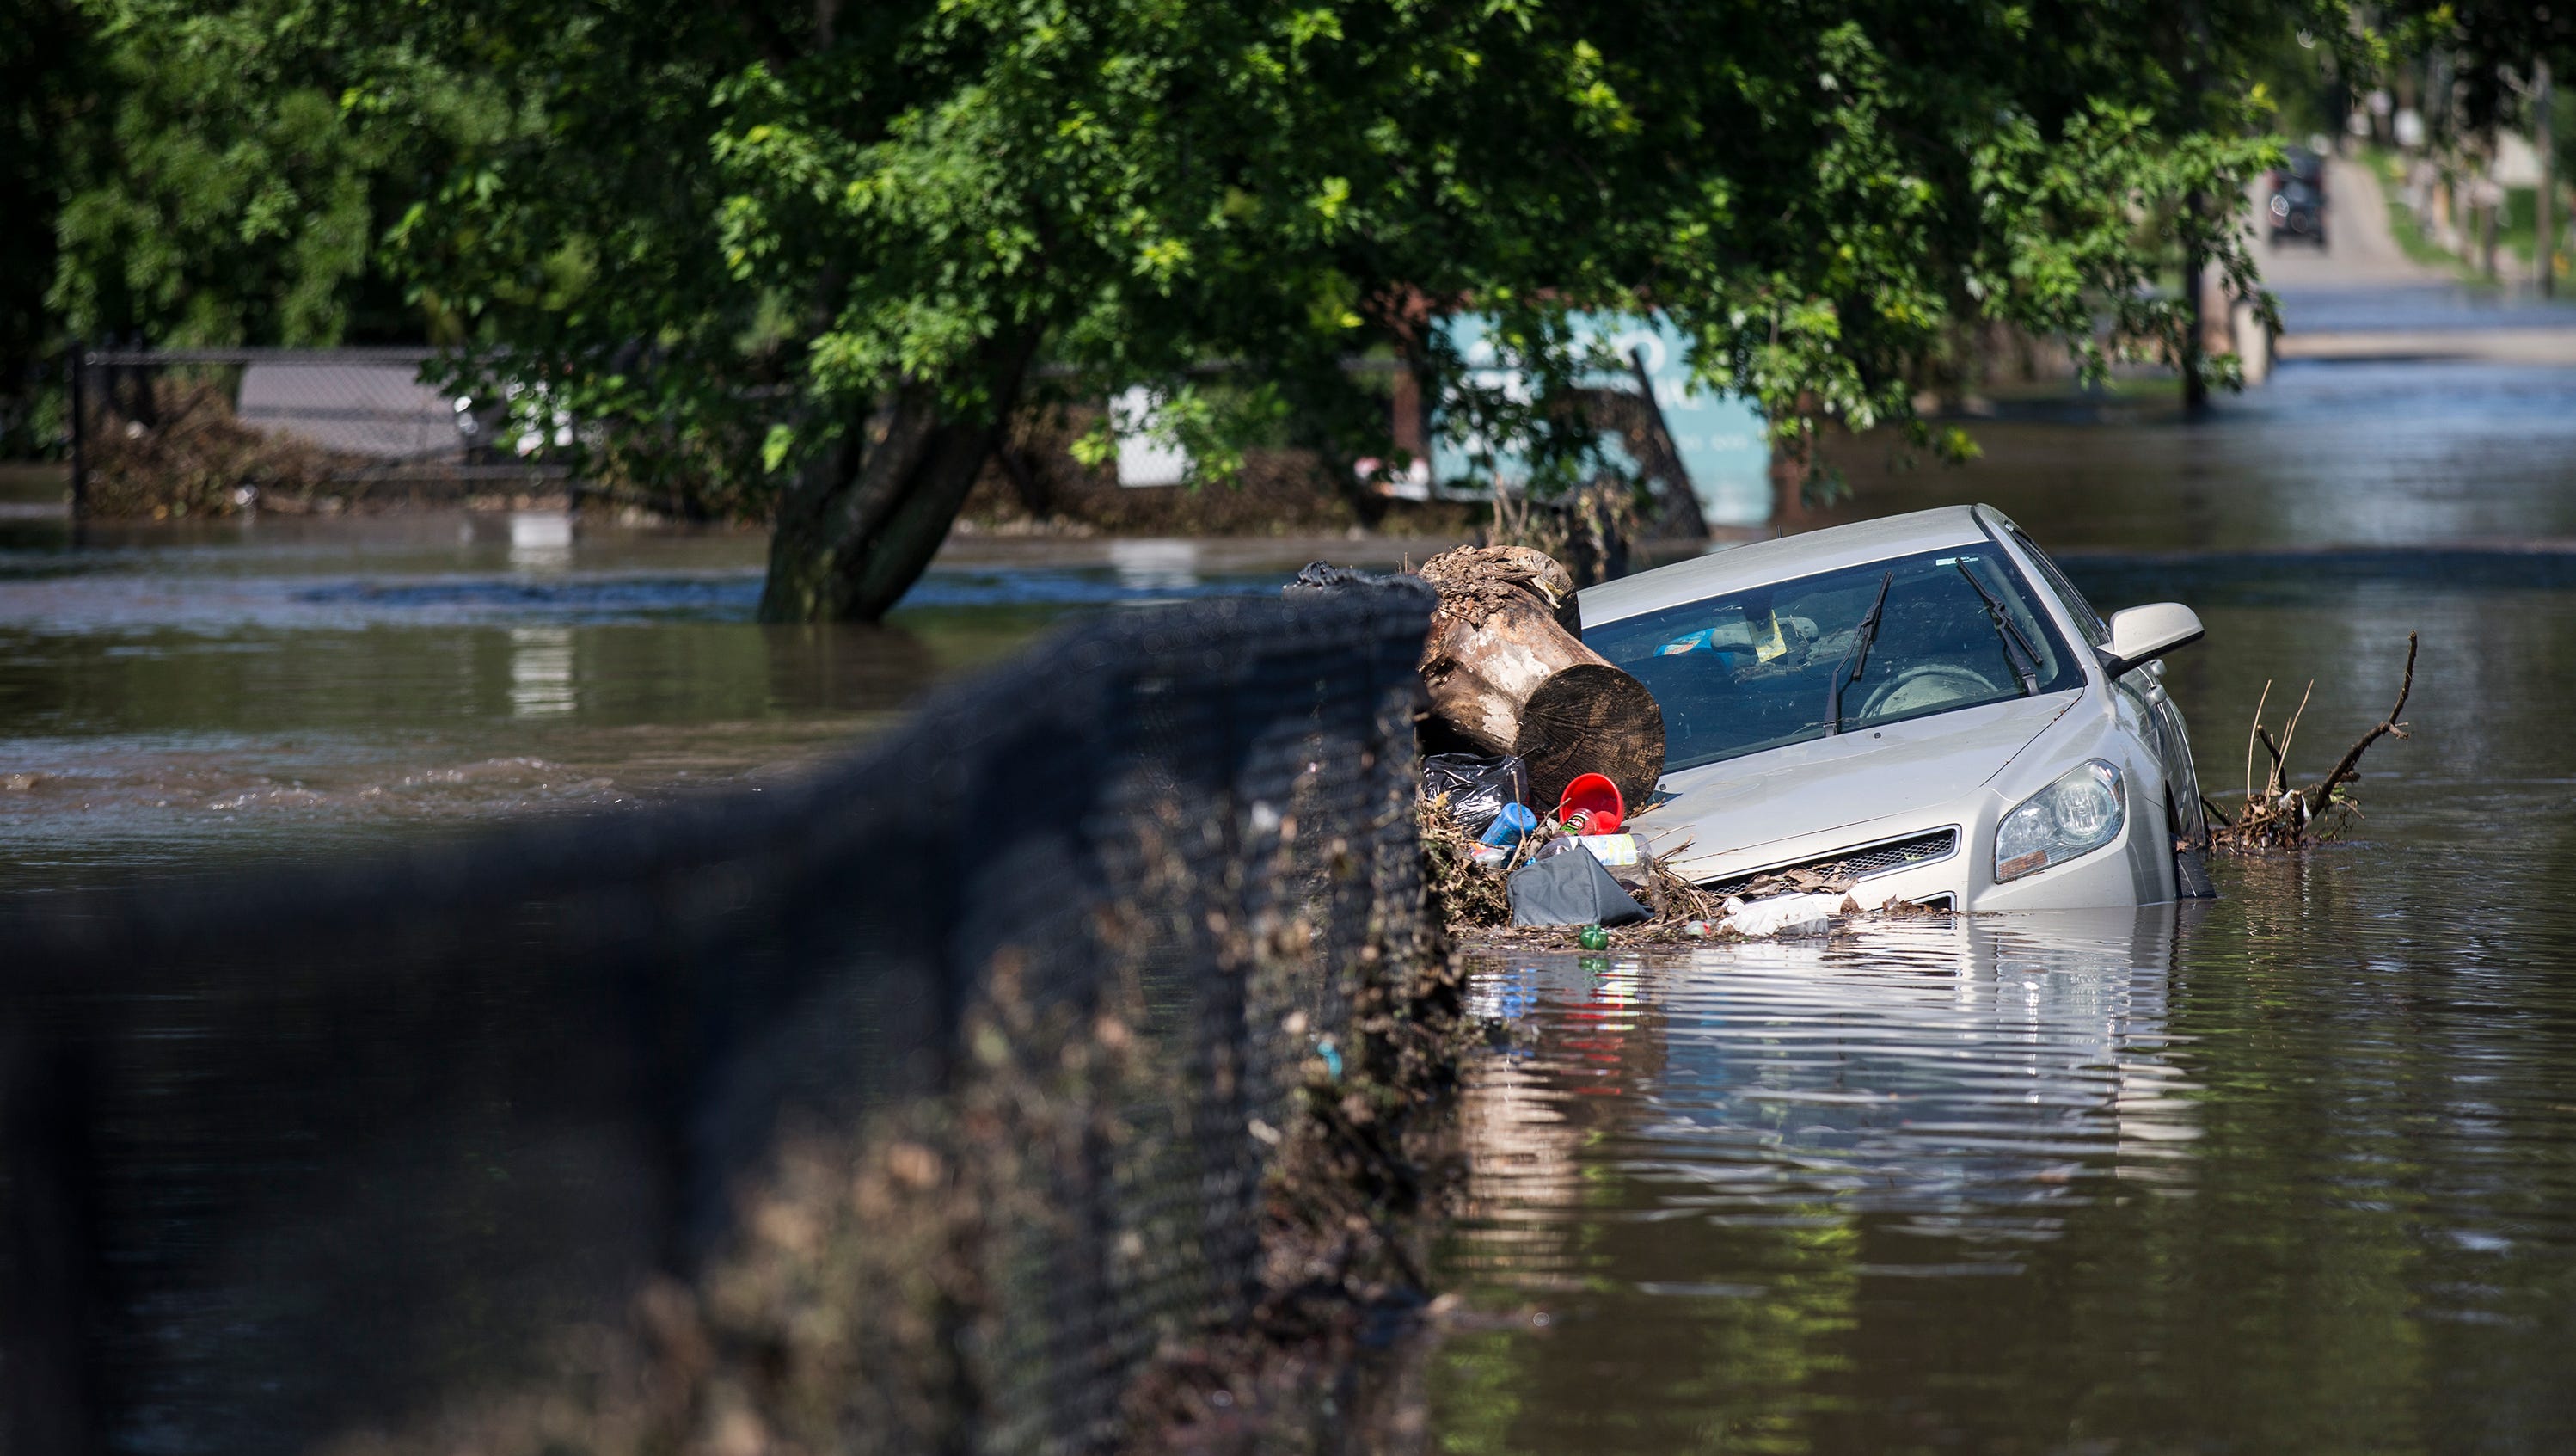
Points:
(2348, 768)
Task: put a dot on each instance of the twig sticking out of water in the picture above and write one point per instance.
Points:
(2280, 817)
(2348, 768)
(2256, 732)
(2290, 734)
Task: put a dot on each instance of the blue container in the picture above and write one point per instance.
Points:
(1509, 825)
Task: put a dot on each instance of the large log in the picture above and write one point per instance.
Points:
(1507, 675)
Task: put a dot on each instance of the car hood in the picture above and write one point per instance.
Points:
(1826, 783)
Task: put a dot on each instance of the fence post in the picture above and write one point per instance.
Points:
(78, 362)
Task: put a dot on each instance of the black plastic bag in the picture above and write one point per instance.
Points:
(1570, 889)
(1478, 787)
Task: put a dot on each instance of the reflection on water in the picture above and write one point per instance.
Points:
(1967, 1079)
(2386, 453)
(1157, 566)
(540, 540)
(1945, 1072)
(540, 670)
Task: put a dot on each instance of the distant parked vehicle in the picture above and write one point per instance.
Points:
(2299, 211)
(1922, 703)
(2298, 205)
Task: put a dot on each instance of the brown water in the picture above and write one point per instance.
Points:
(176, 696)
(2294, 1171)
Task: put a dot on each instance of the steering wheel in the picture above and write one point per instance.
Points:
(1927, 685)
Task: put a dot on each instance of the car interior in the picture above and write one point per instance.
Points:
(1754, 670)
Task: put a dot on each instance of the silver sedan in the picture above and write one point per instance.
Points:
(1923, 704)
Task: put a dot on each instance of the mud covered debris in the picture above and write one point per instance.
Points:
(1472, 899)
(1462, 894)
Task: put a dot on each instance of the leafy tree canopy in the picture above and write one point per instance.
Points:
(2494, 47)
(822, 253)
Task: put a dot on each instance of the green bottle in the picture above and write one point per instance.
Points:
(1594, 938)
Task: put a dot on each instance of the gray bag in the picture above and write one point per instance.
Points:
(1570, 889)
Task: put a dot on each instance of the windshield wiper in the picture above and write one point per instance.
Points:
(1855, 657)
(2017, 653)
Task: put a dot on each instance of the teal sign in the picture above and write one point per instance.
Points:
(1719, 437)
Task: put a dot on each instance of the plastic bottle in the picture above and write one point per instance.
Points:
(1514, 821)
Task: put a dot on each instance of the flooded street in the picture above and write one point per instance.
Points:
(2387, 453)
(951, 730)
(178, 696)
(2294, 1171)
(2291, 1171)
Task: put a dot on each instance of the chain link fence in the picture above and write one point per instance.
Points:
(915, 1107)
(207, 431)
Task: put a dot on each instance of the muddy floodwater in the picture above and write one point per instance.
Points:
(186, 696)
(2290, 1172)
(2293, 1171)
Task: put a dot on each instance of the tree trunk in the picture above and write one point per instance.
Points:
(1681, 498)
(2544, 250)
(1791, 464)
(1036, 493)
(2195, 346)
(1508, 677)
(2487, 225)
(2195, 262)
(867, 513)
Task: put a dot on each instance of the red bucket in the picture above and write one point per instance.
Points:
(1597, 799)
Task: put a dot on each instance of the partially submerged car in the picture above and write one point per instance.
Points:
(1922, 704)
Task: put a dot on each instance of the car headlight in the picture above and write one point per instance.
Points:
(2076, 815)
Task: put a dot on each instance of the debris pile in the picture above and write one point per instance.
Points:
(2278, 817)
(178, 450)
(1502, 867)
(1588, 530)
(1462, 892)
(1488, 865)
(1528, 834)
(1549, 881)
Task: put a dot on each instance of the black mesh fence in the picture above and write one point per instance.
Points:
(915, 1106)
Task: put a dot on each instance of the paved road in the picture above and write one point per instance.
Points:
(2365, 299)
(2364, 253)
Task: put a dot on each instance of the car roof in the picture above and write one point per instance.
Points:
(1782, 558)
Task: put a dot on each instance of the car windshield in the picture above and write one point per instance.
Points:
(1753, 670)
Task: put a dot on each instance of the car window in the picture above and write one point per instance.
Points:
(2087, 620)
(1740, 673)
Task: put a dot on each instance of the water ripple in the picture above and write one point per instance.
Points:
(1964, 1070)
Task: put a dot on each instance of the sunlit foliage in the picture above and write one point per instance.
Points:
(743, 232)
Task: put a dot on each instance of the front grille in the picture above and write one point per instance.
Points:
(1858, 864)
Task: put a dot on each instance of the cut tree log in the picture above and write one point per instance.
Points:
(1505, 673)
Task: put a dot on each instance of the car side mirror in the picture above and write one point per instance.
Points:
(2142, 634)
